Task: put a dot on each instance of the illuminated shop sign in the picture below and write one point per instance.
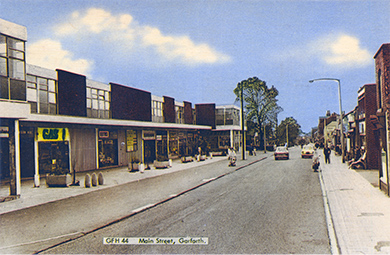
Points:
(53, 134)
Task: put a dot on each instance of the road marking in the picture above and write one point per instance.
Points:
(207, 180)
(142, 208)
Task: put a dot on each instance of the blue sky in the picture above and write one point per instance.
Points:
(198, 51)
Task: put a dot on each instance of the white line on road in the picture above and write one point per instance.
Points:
(142, 208)
(207, 180)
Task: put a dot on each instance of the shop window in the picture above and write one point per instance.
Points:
(108, 148)
(53, 157)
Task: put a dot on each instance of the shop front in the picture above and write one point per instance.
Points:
(27, 157)
(162, 145)
(182, 136)
(173, 145)
(149, 142)
(53, 150)
(108, 148)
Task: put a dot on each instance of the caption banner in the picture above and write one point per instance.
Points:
(157, 240)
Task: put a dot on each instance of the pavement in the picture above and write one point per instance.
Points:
(359, 213)
(32, 196)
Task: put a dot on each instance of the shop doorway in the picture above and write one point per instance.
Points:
(108, 152)
(27, 162)
(149, 151)
(4, 158)
(53, 157)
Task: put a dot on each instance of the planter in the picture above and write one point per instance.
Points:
(216, 153)
(161, 164)
(135, 167)
(201, 157)
(186, 159)
(58, 180)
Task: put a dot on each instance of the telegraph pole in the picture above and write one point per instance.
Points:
(242, 122)
(287, 134)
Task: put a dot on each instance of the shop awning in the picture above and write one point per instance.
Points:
(58, 119)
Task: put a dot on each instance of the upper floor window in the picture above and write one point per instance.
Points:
(42, 94)
(227, 116)
(98, 103)
(157, 108)
(157, 111)
(179, 114)
(12, 68)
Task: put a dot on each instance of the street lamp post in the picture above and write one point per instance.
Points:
(341, 112)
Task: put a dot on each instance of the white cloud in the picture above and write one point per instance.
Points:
(50, 54)
(127, 33)
(346, 50)
(335, 50)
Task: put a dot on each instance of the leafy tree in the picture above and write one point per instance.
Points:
(294, 130)
(260, 104)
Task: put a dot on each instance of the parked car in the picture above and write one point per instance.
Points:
(307, 151)
(281, 153)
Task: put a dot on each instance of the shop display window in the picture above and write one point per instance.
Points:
(108, 148)
(162, 147)
(53, 157)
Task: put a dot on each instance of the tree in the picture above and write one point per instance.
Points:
(260, 104)
(293, 132)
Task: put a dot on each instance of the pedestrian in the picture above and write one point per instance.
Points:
(327, 152)
(232, 157)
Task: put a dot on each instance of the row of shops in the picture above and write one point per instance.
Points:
(59, 121)
(49, 147)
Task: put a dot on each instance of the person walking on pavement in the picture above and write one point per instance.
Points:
(327, 152)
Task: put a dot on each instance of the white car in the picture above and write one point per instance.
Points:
(307, 151)
(281, 153)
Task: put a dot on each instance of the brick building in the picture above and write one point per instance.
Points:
(382, 117)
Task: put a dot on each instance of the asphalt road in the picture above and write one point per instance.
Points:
(34, 229)
(268, 207)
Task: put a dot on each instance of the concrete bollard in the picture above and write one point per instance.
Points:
(94, 180)
(141, 168)
(100, 178)
(87, 181)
